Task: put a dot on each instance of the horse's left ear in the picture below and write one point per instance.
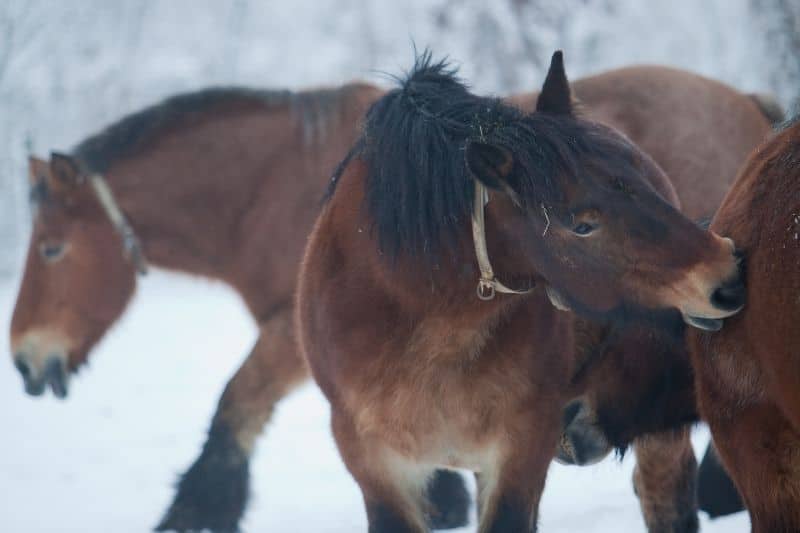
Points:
(491, 165)
(556, 97)
(64, 169)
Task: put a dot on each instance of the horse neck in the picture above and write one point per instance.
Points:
(190, 194)
(184, 197)
(438, 290)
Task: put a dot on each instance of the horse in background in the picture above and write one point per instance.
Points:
(222, 183)
(422, 373)
(748, 374)
(203, 192)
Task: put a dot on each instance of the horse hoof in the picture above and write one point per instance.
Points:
(184, 519)
(450, 500)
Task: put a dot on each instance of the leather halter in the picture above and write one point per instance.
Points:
(488, 284)
(130, 242)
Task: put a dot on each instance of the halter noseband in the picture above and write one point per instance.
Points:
(488, 284)
(130, 243)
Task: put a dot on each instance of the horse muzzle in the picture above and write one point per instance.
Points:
(718, 298)
(582, 441)
(37, 376)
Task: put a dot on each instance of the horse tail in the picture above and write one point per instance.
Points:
(769, 107)
(716, 493)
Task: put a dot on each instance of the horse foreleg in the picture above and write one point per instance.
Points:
(213, 492)
(665, 482)
(393, 486)
(509, 492)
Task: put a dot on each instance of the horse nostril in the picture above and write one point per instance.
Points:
(23, 367)
(729, 297)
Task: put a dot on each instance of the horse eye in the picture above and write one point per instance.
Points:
(583, 229)
(51, 252)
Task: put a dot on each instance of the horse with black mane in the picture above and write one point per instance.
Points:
(422, 374)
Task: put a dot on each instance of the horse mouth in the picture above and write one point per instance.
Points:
(54, 375)
(706, 324)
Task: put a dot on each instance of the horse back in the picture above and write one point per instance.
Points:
(713, 126)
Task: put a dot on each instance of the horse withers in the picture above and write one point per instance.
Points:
(422, 372)
(748, 374)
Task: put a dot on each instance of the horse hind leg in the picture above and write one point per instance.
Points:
(665, 482)
(213, 492)
(450, 500)
(716, 493)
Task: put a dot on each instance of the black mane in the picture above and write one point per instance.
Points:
(131, 134)
(419, 191)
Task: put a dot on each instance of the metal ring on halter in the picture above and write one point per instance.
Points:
(485, 290)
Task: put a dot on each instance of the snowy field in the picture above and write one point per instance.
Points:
(106, 458)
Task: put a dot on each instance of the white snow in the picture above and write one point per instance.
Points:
(106, 458)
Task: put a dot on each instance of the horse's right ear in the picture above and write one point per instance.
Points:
(491, 165)
(38, 171)
(556, 96)
(65, 170)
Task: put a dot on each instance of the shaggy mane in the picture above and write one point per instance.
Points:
(419, 192)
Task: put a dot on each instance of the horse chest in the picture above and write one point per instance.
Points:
(442, 410)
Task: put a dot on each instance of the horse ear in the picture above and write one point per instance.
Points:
(555, 97)
(491, 165)
(38, 170)
(64, 170)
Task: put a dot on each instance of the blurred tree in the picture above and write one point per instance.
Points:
(780, 23)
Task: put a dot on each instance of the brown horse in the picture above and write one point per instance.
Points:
(748, 374)
(634, 384)
(422, 374)
(202, 179)
(74, 247)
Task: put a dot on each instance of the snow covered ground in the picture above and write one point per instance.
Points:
(106, 458)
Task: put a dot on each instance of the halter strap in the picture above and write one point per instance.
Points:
(488, 284)
(130, 243)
